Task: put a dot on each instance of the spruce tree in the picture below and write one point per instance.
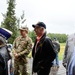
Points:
(10, 20)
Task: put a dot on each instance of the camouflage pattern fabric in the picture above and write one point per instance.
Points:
(21, 46)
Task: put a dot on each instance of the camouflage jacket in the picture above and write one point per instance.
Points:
(22, 46)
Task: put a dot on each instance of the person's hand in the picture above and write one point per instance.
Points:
(16, 55)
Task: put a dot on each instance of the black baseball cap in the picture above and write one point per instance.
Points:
(41, 24)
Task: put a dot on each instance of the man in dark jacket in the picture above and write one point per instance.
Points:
(42, 53)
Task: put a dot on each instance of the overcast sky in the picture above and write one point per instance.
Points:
(58, 15)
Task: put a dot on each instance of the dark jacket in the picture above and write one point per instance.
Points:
(2, 65)
(44, 54)
(4, 57)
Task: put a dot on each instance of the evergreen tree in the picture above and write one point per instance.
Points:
(10, 20)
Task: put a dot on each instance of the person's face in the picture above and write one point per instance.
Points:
(38, 30)
(23, 33)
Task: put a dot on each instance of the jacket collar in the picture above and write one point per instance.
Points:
(42, 38)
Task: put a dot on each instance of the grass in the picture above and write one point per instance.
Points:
(62, 47)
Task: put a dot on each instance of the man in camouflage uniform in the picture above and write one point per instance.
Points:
(21, 48)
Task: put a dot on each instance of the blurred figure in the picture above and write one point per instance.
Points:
(71, 67)
(11, 61)
(21, 48)
(69, 48)
(4, 54)
(57, 49)
(43, 53)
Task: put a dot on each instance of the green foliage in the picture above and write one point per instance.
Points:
(62, 48)
(61, 37)
(10, 20)
(32, 35)
(22, 20)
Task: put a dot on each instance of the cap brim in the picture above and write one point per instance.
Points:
(24, 30)
(33, 26)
